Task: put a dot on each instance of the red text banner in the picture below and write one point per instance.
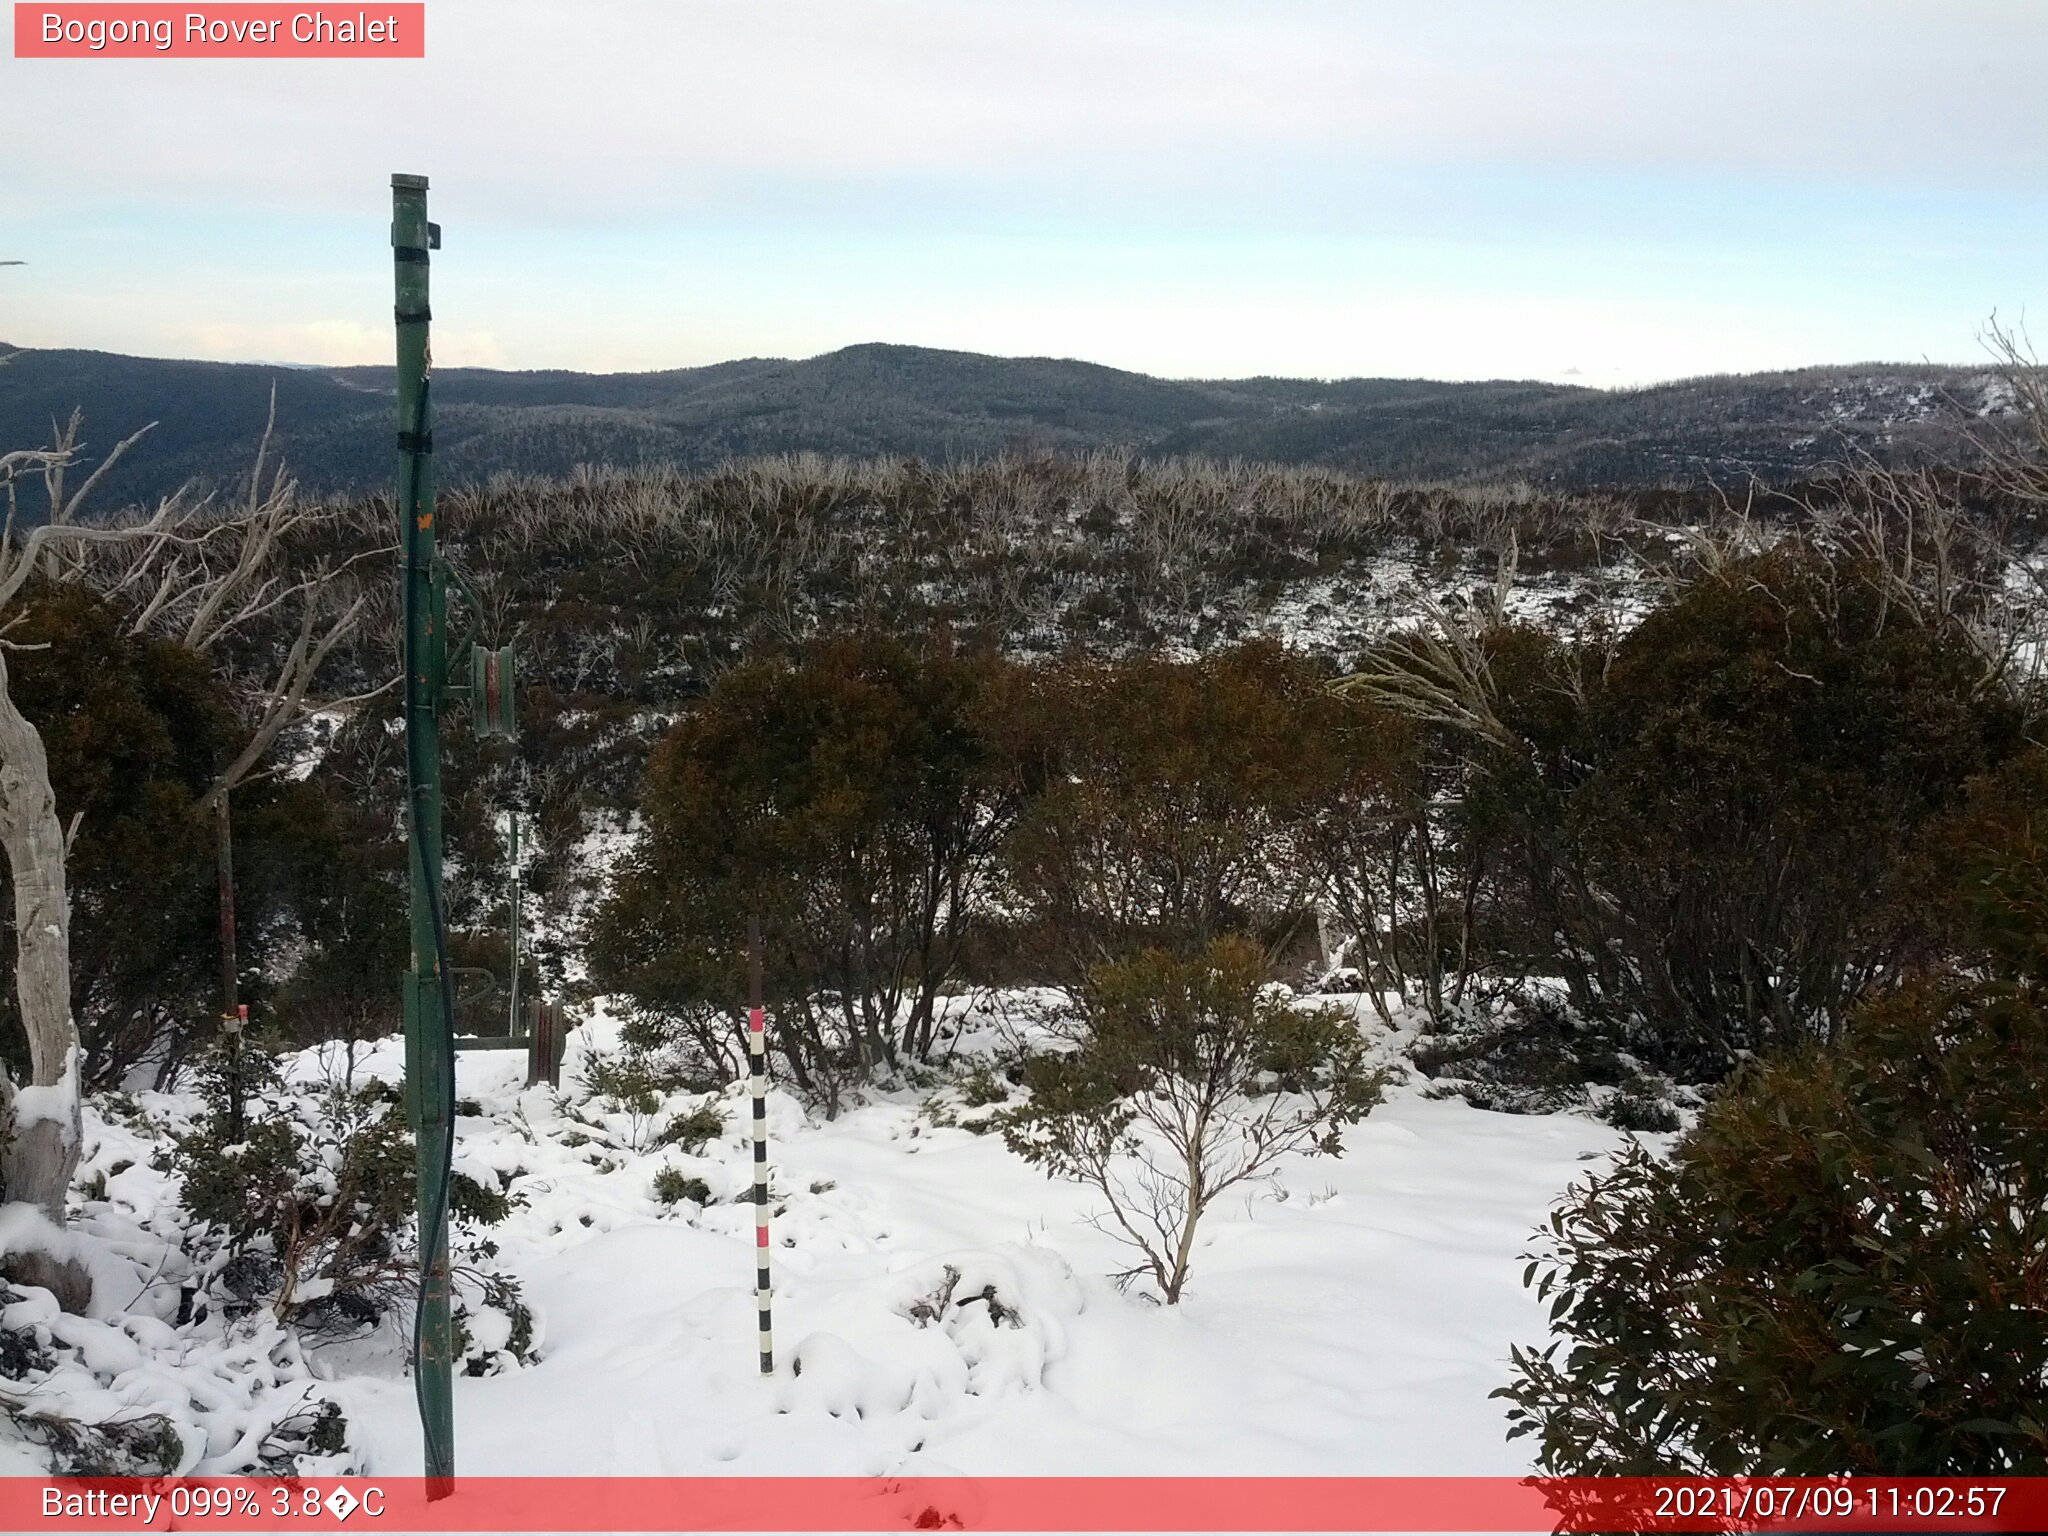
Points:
(239, 31)
(1149, 1504)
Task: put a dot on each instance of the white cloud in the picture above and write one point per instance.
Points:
(634, 135)
(569, 112)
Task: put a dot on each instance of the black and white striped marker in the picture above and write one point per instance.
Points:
(757, 1052)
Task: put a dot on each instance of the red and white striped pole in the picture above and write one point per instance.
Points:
(757, 1051)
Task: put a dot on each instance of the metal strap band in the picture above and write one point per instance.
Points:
(417, 317)
(416, 253)
(415, 442)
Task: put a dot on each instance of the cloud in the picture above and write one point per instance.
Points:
(645, 180)
(605, 110)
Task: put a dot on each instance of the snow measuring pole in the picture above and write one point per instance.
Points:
(430, 985)
(757, 1053)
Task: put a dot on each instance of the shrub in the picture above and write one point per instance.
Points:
(695, 1130)
(131, 1445)
(1173, 798)
(1768, 748)
(310, 1210)
(484, 1204)
(1532, 1055)
(134, 728)
(1709, 830)
(1843, 1268)
(312, 1201)
(1634, 1110)
(852, 801)
(672, 1185)
(495, 1329)
(1840, 1272)
(1194, 1076)
(634, 1080)
(981, 1087)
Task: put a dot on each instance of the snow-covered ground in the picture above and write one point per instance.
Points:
(940, 1305)
(1349, 1318)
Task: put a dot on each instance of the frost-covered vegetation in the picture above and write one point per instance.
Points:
(1211, 912)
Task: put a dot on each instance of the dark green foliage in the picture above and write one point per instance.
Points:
(853, 800)
(317, 1194)
(23, 1351)
(473, 1201)
(1634, 1110)
(981, 1087)
(1528, 1055)
(1769, 747)
(134, 728)
(672, 1185)
(1845, 1267)
(695, 1130)
(319, 1428)
(1173, 795)
(1193, 1077)
(495, 1329)
(1710, 834)
(134, 1445)
(348, 878)
(632, 1081)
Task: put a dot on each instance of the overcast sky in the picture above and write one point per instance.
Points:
(1564, 189)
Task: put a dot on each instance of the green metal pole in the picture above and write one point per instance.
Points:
(430, 1059)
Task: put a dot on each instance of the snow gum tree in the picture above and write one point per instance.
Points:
(1194, 1076)
(41, 1137)
(212, 567)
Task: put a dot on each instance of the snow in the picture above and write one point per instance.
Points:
(1348, 1318)
(940, 1306)
(49, 1101)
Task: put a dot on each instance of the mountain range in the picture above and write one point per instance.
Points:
(336, 424)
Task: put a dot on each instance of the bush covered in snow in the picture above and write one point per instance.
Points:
(308, 1210)
(128, 1393)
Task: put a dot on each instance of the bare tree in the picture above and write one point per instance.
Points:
(201, 575)
(41, 1137)
(206, 592)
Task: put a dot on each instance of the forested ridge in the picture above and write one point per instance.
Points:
(943, 406)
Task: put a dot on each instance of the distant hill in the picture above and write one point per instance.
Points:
(336, 424)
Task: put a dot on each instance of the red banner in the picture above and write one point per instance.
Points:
(1205, 1504)
(380, 31)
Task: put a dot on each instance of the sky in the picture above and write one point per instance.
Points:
(1576, 190)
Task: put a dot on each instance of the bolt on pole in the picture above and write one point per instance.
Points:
(429, 1042)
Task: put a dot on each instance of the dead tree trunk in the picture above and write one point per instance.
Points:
(224, 862)
(37, 1160)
